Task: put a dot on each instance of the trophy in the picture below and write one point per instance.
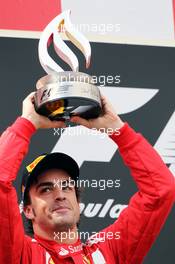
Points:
(62, 94)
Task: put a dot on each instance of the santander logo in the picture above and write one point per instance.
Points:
(63, 252)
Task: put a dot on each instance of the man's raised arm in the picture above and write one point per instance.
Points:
(14, 144)
(140, 223)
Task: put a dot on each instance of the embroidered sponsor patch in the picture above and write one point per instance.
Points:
(32, 165)
(63, 252)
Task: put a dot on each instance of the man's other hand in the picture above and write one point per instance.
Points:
(108, 120)
(37, 120)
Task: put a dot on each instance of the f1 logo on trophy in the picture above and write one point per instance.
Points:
(62, 94)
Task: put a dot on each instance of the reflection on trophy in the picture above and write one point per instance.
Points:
(62, 94)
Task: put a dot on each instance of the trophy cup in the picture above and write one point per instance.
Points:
(62, 94)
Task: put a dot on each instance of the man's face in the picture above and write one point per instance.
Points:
(54, 206)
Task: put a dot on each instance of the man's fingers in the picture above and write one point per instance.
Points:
(103, 98)
(79, 120)
(57, 124)
(106, 105)
(30, 97)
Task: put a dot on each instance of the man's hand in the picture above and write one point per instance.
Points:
(37, 120)
(108, 121)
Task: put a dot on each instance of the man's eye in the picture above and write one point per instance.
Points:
(46, 190)
(67, 187)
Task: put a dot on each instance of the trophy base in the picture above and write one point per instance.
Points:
(63, 95)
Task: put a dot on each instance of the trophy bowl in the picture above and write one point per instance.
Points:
(64, 94)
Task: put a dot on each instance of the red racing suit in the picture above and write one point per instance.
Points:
(138, 224)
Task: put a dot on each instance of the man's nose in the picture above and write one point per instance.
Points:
(59, 194)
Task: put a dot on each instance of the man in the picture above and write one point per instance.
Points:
(54, 208)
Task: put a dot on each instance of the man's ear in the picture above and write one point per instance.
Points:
(28, 211)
